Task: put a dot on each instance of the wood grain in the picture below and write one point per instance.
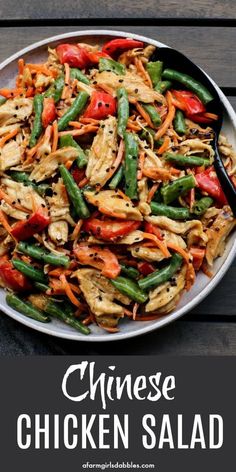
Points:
(34, 9)
(211, 48)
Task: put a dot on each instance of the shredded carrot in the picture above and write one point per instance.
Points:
(68, 164)
(128, 313)
(152, 192)
(69, 292)
(87, 320)
(75, 124)
(67, 80)
(87, 121)
(122, 194)
(21, 65)
(192, 197)
(160, 244)
(190, 277)
(58, 271)
(164, 146)
(212, 116)
(78, 132)
(55, 136)
(77, 229)
(34, 204)
(83, 182)
(144, 114)
(140, 165)
(157, 173)
(169, 117)
(4, 222)
(206, 270)
(149, 317)
(142, 71)
(180, 250)
(41, 68)
(109, 212)
(8, 136)
(133, 126)
(117, 161)
(135, 309)
(109, 329)
(11, 93)
(29, 92)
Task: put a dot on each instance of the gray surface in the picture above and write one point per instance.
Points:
(210, 329)
(123, 9)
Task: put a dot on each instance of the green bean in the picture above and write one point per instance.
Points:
(111, 66)
(190, 83)
(56, 89)
(123, 110)
(116, 179)
(131, 164)
(130, 271)
(78, 75)
(201, 206)
(42, 287)
(22, 177)
(161, 276)
(153, 113)
(163, 86)
(30, 271)
(2, 100)
(42, 254)
(179, 123)
(177, 187)
(67, 140)
(129, 288)
(75, 109)
(37, 126)
(171, 212)
(74, 193)
(183, 161)
(26, 308)
(54, 309)
(155, 71)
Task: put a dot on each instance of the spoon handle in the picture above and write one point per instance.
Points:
(225, 181)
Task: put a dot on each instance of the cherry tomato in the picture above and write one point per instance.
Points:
(101, 105)
(146, 268)
(74, 55)
(115, 46)
(209, 182)
(12, 278)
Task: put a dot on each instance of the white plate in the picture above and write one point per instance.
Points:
(38, 52)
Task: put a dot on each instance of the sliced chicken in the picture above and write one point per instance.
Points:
(132, 82)
(217, 234)
(111, 202)
(100, 293)
(58, 232)
(102, 153)
(13, 212)
(192, 229)
(10, 155)
(162, 296)
(5, 245)
(42, 80)
(47, 166)
(8, 129)
(15, 110)
(25, 196)
(143, 206)
(59, 203)
(131, 238)
(196, 146)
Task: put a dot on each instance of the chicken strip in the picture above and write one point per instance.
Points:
(47, 166)
(111, 202)
(218, 233)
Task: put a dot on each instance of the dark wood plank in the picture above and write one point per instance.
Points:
(179, 338)
(206, 46)
(122, 9)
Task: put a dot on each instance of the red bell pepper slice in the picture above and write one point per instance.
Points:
(74, 55)
(102, 259)
(109, 230)
(198, 255)
(78, 174)
(145, 268)
(11, 278)
(115, 46)
(27, 228)
(209, 182)
(188, 102)
(49, 111)
(101, 105)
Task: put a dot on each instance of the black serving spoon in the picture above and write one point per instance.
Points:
(173, 59)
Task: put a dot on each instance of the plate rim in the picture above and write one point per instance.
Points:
(105, 337)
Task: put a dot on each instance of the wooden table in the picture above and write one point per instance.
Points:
(204, 31)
